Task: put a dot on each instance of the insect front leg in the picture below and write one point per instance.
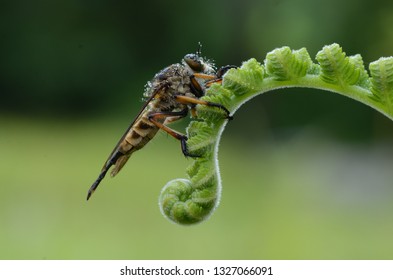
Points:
(220, 73)
(196, 88)
(194, 101)
(155, 117)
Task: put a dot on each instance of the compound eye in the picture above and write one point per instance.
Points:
(194, 62)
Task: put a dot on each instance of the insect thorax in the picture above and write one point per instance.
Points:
(177, 79)
(169, 82)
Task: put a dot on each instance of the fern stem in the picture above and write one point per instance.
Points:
(314, 82)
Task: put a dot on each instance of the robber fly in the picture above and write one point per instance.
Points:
(170, 95)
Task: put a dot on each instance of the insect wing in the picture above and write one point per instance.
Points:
(116, 154)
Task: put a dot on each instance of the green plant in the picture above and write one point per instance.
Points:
(189, 201)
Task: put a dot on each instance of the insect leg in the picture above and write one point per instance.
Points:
(204, 76)
(197, 90)
(219, 75)
(196, 87)
(154, 117)
(224, 69)
(194, 101)
(172, 119)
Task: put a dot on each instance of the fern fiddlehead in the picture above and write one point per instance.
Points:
(192, 200)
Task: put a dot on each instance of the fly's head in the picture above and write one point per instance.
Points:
(198, 64)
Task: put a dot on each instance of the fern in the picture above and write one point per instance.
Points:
(192, 200)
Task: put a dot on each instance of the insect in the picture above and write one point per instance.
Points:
(170, 95)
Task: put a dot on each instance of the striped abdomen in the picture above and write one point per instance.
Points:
(140, 133)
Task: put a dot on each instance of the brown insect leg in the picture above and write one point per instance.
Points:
(172, 119)
(196, 87)
(154, 117)
(194, 112)
(191, 100)
(204, 76)
(209, 83)
(219, 74)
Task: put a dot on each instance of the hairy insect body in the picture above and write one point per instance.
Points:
(169, 96)
(160, 94)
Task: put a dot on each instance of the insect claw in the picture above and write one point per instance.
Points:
(192, 155)
(228, 116)
(183, 142)
(184, 149)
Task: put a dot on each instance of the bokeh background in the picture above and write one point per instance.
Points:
(306, 174)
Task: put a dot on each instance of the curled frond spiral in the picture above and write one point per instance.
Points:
(192, 200)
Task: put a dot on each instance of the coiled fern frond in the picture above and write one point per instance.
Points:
(192, 200)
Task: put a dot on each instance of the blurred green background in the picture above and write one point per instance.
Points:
(306, 174)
